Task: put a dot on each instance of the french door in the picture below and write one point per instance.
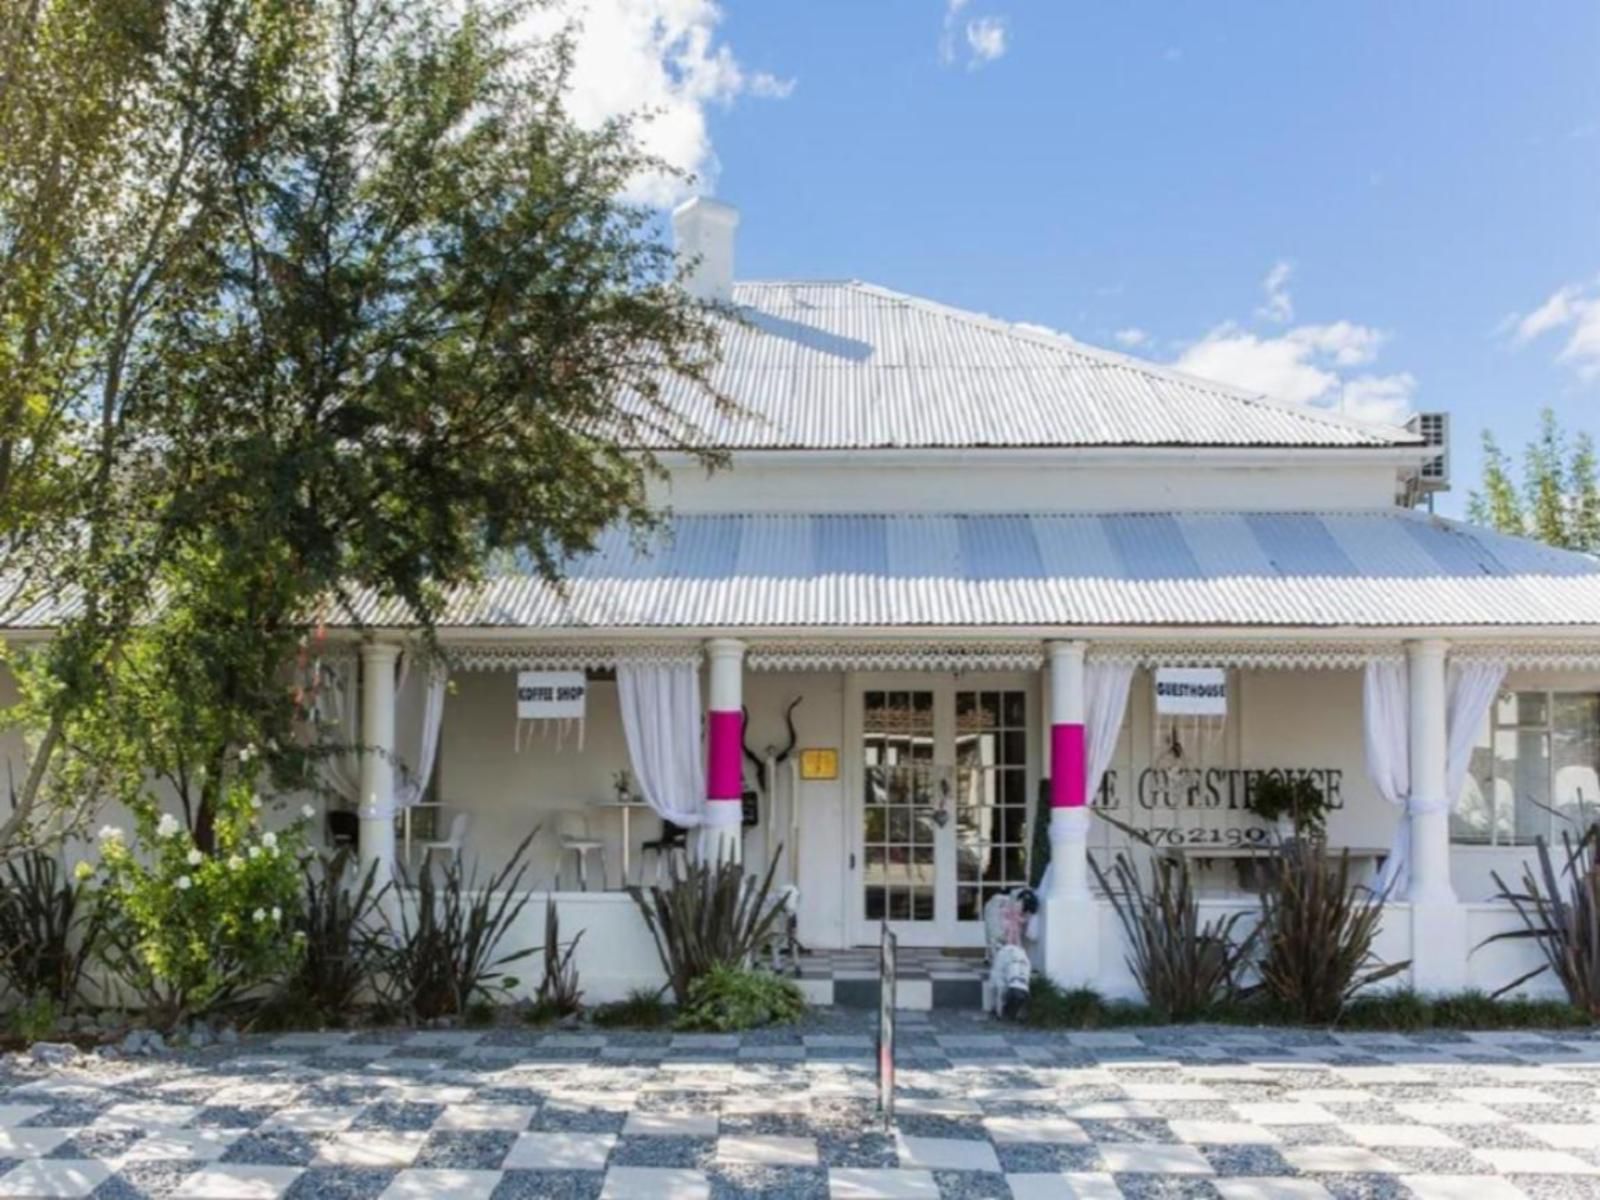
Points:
(942, 771)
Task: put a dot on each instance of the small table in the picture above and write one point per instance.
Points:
(626, 807)
(1243, 856)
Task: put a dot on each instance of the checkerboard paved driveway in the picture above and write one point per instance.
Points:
(983, 1112)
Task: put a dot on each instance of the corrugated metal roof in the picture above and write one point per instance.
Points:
(851, 365)
(1242, 569)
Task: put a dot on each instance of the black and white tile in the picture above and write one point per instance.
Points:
(982, 1111)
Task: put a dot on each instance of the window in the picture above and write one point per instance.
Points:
(991, 797)
(1533, 771)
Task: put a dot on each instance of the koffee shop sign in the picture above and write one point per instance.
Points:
(551, 695)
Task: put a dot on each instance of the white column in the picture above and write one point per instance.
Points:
(1430, 809)
(1070, 940)
(724, 750)
(1438, 922)
(376, 808)
(1069, 812)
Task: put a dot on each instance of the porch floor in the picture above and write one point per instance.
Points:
(925, 978)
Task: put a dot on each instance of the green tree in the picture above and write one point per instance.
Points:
(422, 333)
(1558, 499)
(109, 198)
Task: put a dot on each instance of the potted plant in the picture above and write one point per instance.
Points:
(1296, 806)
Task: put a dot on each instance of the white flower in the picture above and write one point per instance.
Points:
(110, 833)
(184, 883)
(307, 811)
(259, 915)
(277, 913)
(234, 862)
(269, 840)
(255, 851)
(196, 858)
(255, 801)
(247, 752)
(168, 826)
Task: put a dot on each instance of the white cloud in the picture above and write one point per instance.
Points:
(1307, 364)
(1131, 337)
(663, 57)
(1573, 312)
(1385, 398)
(985, 37)
(1279, 305)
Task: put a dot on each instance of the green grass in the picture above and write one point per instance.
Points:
(1051, 1007)
(643, 1008)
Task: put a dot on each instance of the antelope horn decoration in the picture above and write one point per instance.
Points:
(794, 738)
(756, 761)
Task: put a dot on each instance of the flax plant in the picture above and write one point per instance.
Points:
(1317, 933)
(1184, 966)
(1560, 912)
(713, 916)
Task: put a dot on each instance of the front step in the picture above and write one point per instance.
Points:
(926, 980)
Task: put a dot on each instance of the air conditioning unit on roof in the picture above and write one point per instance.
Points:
(1433, 474)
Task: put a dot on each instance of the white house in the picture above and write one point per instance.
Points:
(956, 553)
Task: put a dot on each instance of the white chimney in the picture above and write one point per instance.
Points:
(704, 231)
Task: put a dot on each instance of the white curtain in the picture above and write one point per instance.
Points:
(417, 768)
(661, 722)
(1105, 703)
(1386, 722)
(1105, 685)
(336, 707)
(1471, 690)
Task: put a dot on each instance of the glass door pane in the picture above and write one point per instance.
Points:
(898, 803)
(991, 754)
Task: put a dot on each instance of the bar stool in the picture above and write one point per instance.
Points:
(573, 827)
(671, 850)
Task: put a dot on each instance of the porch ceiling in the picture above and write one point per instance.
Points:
(1247, 570)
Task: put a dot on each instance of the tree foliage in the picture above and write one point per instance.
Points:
(1558, 498)
(336, 307)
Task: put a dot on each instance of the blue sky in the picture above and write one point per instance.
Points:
(1374, 204)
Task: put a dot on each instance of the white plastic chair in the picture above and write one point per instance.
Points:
(576, 839)
(453, 841)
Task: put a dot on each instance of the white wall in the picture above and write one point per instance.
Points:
(760, 485)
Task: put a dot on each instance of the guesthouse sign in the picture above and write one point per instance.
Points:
(1192, 692)
(1206, 806)
(551, 695)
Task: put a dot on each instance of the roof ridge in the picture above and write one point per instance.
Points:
(1378, 431)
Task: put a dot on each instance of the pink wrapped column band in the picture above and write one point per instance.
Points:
(1068, 767)
(724, 735)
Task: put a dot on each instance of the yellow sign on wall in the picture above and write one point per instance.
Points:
(819, 763)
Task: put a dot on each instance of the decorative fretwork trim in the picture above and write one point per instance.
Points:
(1538, 656)
(1288, 656)
(896, 656)
(566, 656)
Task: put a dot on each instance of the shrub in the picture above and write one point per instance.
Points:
(49, 931)
(1560, 912)
(643, 1008)
(558, 989)
(339, 924)
(1052, 1007)
(189, 931)
(728, 998)
(1278, 795)
(1183, 967)
(714, 916)
(1317, 933)
(445, 952)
